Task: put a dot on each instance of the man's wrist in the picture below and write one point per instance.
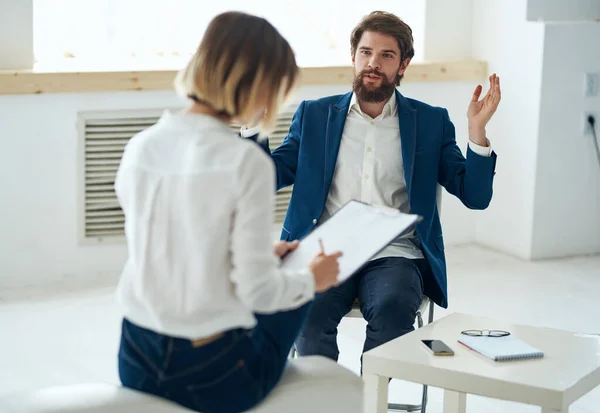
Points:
(478, 136)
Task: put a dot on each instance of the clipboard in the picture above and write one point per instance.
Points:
(358, 230)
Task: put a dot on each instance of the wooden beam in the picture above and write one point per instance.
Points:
(37, 82)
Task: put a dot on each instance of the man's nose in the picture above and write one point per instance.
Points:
(374, 62)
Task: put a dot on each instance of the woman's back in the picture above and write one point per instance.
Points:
(181, 184)
(208, 315)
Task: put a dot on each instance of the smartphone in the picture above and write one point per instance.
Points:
(438, 347)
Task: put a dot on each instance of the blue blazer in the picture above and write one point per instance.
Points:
(308, 155)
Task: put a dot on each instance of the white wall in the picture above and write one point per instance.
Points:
(535, 133)
(513, 49)
(547, 189)
(447, 37)
(567, 195)
(38, 134)
(563, 10)
(38, 181)
(16, 34)
(448, 30)
(458, 222)
(38, 161)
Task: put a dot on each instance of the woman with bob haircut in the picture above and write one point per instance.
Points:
(208, 316)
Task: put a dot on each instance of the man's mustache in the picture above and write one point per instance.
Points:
(371, 72)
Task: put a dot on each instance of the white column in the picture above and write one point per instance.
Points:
(16, 34)
(563, 11)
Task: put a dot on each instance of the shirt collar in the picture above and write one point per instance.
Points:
(195, 121)
(390, 108)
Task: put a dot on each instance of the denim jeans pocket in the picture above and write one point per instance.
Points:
(229, 389)
(216, 378)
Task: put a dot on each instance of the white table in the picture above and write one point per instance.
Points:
(570, 367)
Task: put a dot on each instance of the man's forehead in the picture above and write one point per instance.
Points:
(374, 40)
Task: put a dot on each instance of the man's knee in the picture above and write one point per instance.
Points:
(393, 296)
(388, 317)
(393, 311)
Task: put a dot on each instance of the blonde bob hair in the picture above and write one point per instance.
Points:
(243, 69)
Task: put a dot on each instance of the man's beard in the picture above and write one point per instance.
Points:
(372, 94)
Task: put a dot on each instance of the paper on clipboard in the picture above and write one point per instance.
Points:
(358, 230)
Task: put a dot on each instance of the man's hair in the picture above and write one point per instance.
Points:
(241, 65)
(389, 24)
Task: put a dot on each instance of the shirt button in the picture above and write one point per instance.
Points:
(314, 221)
(369, 149)
(366, 176)
(372, 122)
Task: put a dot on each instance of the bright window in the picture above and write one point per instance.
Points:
(104, 33)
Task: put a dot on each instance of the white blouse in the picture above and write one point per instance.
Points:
(198, 204)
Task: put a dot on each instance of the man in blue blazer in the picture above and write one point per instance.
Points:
(379, 147)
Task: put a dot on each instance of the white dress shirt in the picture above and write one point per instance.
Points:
(198, 204)
(370, 169)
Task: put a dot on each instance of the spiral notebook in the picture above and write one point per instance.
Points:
(501, 348)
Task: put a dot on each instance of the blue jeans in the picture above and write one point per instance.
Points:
(232, 374)
(390, 291)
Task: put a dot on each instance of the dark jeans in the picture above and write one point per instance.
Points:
(390, 291)
(231, 374)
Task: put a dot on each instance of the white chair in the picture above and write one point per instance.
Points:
(313, 384)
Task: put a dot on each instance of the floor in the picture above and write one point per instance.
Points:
(66, 334)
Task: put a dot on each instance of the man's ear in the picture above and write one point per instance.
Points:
(352, 57)
(403, 66)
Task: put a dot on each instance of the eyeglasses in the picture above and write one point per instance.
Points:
(485, 333)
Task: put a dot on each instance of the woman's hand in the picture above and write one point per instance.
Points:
(283, 247)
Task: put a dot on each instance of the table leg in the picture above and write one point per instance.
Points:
(376, 393)
(454, 402)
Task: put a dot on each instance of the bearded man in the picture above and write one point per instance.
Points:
(379, 147)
